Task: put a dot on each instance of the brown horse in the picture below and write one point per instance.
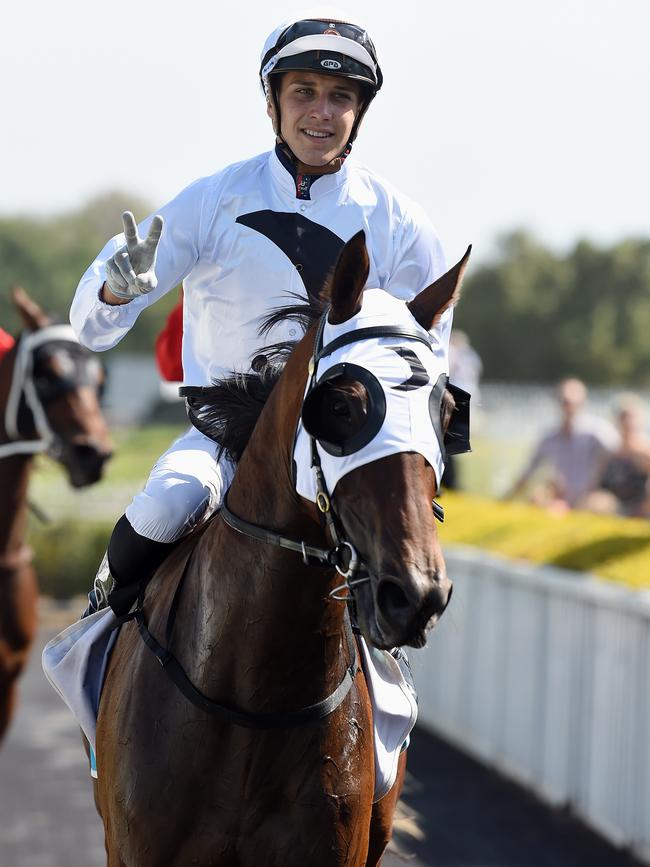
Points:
(259, 780)
(49, 387)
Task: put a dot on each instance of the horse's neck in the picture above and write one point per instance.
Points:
(261, 604)
(14, 478)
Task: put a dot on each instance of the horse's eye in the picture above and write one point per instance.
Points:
(341, 408)
(335, 411)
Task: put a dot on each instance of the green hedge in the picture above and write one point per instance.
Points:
(617, 549)
(68, 553)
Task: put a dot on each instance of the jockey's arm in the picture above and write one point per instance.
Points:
(99, 315)
(419, 261)
(107, 297)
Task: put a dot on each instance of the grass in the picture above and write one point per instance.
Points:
(136, 451)
(492, 465)
(69, 548)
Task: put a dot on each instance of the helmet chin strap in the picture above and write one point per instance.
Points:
(305, 169)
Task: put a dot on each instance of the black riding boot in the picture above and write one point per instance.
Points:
(129, 563)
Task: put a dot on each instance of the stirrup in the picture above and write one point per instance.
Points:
(102, 587)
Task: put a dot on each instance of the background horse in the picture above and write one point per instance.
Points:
(49, 401)
(257, 629)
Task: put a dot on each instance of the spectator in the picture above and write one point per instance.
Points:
(465, 368)
(624, 484)
(169, 345)
(575, 452)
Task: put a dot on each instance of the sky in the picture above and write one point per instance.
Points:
(494, 115)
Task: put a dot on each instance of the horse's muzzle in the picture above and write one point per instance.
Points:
(84, 463)
(403, 609)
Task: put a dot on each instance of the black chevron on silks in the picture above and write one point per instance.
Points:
(419, 376)
(312, 248)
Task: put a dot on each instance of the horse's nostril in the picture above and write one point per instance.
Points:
(391, 598)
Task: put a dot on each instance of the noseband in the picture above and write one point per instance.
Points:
(24, 387)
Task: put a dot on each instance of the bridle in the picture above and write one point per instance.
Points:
(342, 556)
(24, 388)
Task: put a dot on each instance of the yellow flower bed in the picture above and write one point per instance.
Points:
(617, 549)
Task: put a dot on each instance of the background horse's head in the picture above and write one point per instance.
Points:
(49, 397)
(377, 409)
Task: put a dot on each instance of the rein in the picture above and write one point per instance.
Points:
(227, 713)
(311, 556)
(22, 384)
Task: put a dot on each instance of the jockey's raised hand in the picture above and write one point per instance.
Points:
(131, 270)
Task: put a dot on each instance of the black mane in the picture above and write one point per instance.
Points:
(228, 410)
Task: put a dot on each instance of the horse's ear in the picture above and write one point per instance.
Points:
(349, 278)
(431, 303)
(31, 314)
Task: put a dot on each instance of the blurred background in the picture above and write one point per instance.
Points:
(521, 128)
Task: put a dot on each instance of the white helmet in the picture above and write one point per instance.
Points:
(329, 45)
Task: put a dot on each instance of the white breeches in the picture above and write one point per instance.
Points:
(185, 487)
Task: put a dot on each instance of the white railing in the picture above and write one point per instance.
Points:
(544, 674)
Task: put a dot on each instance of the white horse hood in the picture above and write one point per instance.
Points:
(403, 371)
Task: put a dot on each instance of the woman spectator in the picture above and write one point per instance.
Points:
(626, 473)
(624, 486)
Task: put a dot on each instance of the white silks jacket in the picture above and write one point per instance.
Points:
(242, 240)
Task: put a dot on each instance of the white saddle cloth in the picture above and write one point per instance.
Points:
(75, 664)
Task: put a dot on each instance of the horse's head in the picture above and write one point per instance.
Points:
(53, 399)
(374, 418)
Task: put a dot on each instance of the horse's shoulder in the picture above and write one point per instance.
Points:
(162, 587)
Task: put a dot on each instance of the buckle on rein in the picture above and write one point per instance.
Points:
(338, 555)
(352, 565)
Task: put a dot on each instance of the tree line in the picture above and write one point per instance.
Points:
(47, 256)
(533, 315)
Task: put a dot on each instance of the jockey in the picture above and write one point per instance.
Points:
(240, 241)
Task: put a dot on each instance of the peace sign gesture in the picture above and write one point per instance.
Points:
(131, 270)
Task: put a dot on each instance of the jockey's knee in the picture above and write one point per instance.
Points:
(169, 512)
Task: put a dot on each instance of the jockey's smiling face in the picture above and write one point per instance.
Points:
(317, 113)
